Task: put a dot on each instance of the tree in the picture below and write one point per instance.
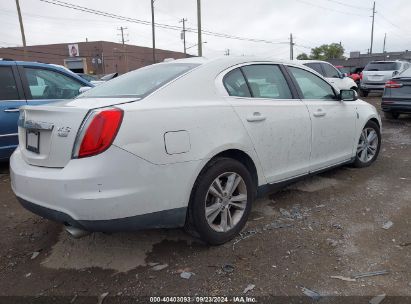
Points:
(303, 56)
(328, 51)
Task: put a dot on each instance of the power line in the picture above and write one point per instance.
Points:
(327, 8)
(350, 5)
(160, 25)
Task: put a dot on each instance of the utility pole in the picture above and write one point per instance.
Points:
(23, 36)
(385, 40)
(183, 34)
(372, 28)
(227, 52)
(200, 43)
(291, 47)
(153, 30)
(123, 41)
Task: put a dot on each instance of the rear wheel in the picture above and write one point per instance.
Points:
(364, 93)
(221, 201)
(368, 146)
(391, 115)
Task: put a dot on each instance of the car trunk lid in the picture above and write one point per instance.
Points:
(47, 133)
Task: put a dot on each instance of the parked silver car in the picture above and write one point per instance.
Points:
(377, 73)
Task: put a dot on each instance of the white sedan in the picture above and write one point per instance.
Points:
(186, 143)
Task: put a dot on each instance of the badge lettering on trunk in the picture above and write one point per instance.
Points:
(63, 131)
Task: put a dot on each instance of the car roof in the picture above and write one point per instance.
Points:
(227, 61)
(311, 61)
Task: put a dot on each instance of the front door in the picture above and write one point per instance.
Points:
(333, 121)
(277, 123)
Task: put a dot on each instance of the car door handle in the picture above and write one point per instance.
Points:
(11, 110)
(256, 117)
(319, 113)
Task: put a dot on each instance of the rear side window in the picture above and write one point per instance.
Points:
(330, 71)
(267, 81)
(8, 87)
(383, 66)
(47, 84)
(141, 82)
(316, 67)
(312, 86)
(236, 85)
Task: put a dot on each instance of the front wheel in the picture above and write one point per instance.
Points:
(368, 146)
(364, 93)
(221, 201)
(391, 115)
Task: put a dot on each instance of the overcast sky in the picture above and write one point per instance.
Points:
(312, 22)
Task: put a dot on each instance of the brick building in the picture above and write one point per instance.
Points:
(96, 57)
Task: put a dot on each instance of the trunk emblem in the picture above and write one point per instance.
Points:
(63, 131)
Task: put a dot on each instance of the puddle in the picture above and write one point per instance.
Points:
(314, 184)
(120, 252)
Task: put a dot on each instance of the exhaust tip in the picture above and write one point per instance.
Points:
(76, 232)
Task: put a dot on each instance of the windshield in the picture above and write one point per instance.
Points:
(141, 82)
(383, 66)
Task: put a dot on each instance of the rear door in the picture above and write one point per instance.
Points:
(45, 85)
(11, 99)
(277, 122)
(333, 121)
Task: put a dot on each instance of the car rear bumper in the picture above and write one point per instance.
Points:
(113, 191)
(396, 106)
(371, 86)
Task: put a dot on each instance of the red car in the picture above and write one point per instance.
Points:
(353, 73)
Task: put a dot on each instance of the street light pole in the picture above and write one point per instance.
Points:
(153, 31)
(200, 44)
(23, 36)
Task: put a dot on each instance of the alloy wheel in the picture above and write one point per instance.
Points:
(368, 145)
(225, 202)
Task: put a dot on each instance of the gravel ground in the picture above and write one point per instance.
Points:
(328, 225)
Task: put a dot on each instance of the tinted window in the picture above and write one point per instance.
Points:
(47, 84)
(141, 82)
(312, 86)
(316, 67)
(235, 84)
(382, 66)
(267, 81)
(8, 88)
(330, 71)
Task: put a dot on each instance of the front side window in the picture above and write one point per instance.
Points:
(47, 84)
(312, 86)
(267, 81)
(330, 71)
(8, 87)
(141, 82)
(235, 84)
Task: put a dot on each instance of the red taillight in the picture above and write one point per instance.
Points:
(99, 131)
(392, 84)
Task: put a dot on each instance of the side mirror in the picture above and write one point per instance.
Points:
(84, 89)
(348, 95)
(344, 75)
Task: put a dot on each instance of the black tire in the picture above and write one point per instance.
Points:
(358, 163)
(364, 93)
(196, 223)
(355, 89)
(391, 115)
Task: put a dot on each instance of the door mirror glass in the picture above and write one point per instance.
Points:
(348, 95)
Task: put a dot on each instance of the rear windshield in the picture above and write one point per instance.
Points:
(383, 66)
(141, 82)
